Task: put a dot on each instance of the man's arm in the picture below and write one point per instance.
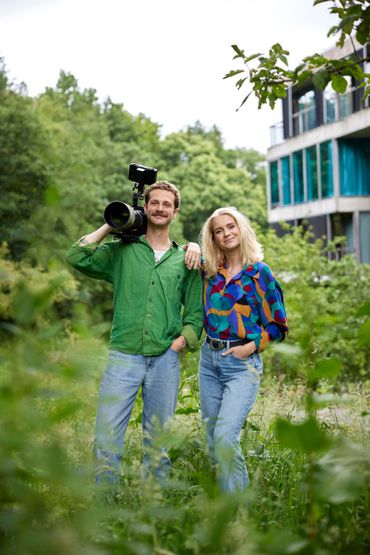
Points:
(192, 318)
(89, 258)
(97, 235)
(179, 344)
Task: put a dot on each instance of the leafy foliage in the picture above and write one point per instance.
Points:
(310, 474)
(64, 156)
(269, 75)
(309, 478)
(321, 319)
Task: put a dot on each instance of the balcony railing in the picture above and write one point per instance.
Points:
(304, 120)
(337, 107)
(276, 133)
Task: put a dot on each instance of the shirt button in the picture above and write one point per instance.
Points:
(150, 300)
(146, 332)
(152, 282)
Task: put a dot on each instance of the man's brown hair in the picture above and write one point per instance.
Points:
(165, 186)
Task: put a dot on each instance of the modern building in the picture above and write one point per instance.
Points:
(319, 163)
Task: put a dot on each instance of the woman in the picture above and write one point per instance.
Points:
(243, 312)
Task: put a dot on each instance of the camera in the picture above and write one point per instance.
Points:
(130, 221)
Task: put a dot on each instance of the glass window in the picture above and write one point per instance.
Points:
(338, 106)
(326, 169)
(342, 225)
(330, 99)
(274, 183)
(365, 237)
(298, 176)
(311, 173)
(304, 117)
(285, 178)
(354, 166)
(345, 101)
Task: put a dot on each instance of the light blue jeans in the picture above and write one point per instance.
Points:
(159, 377)
(228, 390)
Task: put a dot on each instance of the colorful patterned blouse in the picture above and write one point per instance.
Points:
(250, 306)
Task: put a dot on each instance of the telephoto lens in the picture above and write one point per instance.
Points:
(122, 216)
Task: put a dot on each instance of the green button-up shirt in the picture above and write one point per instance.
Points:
(153, 303)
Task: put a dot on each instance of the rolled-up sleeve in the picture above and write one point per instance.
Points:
(93, 260)
(192, 318)
(272, 312)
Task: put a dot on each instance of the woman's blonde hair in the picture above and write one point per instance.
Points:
(250, 248)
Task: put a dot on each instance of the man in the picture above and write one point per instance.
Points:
(157, 313)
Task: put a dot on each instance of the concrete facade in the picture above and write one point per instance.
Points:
(319, 170)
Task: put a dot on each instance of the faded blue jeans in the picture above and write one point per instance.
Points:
(159, 377)
(228, 390)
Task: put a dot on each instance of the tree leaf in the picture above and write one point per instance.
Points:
(252, 57)
(233, 72)
(357, 72)
(321, 79)
(240, 53)
(363, 32)
(306, 436)
(364, 333)
(347, 24)
(279, 90)
(287, 349)
(364, 309)
(333, 30)
(339, 83)
(325, 368)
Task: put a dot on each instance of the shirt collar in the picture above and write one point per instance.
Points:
(142, 239)
(249, 269)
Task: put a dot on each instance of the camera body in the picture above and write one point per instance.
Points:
(142, 175)
(130, 221)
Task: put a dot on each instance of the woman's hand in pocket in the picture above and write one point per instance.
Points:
(241, 351)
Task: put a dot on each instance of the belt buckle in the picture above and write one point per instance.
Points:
(216, 344)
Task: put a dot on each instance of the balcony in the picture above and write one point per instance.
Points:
(304, 120)
(276, 134)
(332, 108)
(337, 107)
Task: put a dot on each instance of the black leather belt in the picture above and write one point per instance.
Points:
(217, 344)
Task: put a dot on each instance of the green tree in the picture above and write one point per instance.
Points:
(210, 176)
(91, 148)
(269, 75)
(24, 173)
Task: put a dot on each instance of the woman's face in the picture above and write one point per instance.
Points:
(226, 233)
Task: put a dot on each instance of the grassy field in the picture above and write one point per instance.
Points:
(301, 500)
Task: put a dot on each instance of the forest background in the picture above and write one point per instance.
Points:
(63, 157)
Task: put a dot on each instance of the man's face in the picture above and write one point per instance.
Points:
(160, 208)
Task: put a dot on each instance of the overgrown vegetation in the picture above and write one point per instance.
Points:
(62, 157)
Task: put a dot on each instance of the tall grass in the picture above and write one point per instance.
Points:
(306, 444)
(50, 503)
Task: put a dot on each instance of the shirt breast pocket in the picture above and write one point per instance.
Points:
(172, 285)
